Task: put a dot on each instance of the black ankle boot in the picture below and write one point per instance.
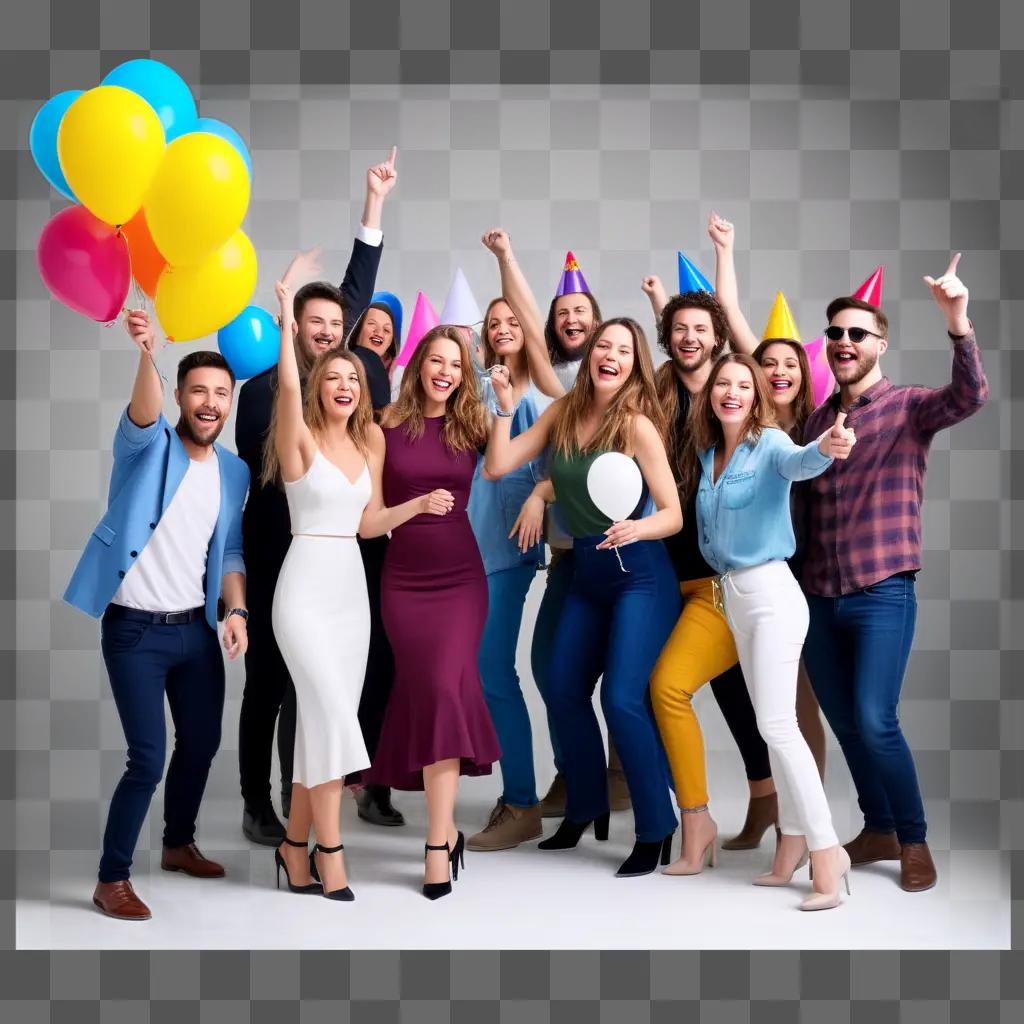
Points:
(645, 856)
(569, 833)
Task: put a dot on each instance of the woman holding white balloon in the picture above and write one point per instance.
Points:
(624, 599)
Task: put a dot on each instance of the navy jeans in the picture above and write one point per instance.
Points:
(544, 631)
(506, 595)
(615, 623)
(144, 661)
(856, 652)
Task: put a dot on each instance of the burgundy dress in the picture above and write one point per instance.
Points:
(434, 603)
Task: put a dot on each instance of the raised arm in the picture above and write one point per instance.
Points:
(517, 294)
(147, 392)
(504, 452)
(727, 292)
(803, 462)
(652, 287)
(938, 408)
(292, 438)
(377, 518)
(668, 517)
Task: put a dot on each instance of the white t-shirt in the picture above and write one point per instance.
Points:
(168, 574)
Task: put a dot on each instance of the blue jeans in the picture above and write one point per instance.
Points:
(506, 595)
(856, 652)
(544, 631)
(144, 661)
(614, 622)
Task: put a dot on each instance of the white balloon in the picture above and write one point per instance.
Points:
(615, 485)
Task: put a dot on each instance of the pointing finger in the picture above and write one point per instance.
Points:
(392, 156)
(951, 269)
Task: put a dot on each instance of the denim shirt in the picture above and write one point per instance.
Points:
(744, 517)
(495, 504)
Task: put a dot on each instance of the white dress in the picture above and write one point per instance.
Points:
(321, 620)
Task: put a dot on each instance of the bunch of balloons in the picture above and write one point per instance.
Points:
(160, 195)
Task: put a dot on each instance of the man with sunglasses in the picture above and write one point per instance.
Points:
(863, 552)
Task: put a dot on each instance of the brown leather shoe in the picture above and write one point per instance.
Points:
(191, 861)
(871, 846)
(553, 804)
(118, 899)
(762, 813)
(917, 869)
(618, 791)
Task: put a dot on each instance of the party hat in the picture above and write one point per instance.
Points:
(822, 381)
(690, 278)
(871, 289)
(460, 308)
(424, 318)
(572, 280)
(391, 300)
(780, 321)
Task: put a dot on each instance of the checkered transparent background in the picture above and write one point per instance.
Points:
(834, 137)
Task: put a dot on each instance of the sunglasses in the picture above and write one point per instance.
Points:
(856, 333)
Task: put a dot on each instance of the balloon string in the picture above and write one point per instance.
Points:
(615, 548)
(140, 298)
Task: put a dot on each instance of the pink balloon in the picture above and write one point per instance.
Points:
(85, 264)
(822, 381)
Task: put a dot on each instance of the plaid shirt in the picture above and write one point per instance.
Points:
(862, 516)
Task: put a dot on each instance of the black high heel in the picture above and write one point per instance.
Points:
(458, 856)
(645, 857)
(435, 890)
(345, 895)
(312, 887)
(569, 833)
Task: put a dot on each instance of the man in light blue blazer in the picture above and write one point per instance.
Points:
(168, 549)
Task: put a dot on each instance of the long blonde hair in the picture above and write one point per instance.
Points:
(313, 412)
(465, 418)
(638, 396)
(704, 429)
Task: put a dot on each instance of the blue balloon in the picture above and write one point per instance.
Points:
(225, 131)
(250, 343)
(163, 89)
(42, 140)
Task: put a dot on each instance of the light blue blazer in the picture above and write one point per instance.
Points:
(149, 464)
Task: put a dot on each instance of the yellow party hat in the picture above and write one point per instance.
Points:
(781, 323)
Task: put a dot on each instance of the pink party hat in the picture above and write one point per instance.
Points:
(871, 289)
(572, 280)
(424, 318)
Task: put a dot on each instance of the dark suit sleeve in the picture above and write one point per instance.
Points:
(360, 279)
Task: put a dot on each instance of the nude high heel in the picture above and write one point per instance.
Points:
(770, 878)
(829, 900)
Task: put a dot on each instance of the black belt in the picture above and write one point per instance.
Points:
(119, 611)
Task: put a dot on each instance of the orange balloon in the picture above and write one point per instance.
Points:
(147, 262)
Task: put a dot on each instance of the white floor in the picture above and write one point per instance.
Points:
(518, 899)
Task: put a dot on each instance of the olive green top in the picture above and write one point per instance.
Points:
(579, 514)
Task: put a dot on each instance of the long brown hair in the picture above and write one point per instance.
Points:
(704, 429)
(638, 396)
(803, 404)
(313, 412)
(465, 418)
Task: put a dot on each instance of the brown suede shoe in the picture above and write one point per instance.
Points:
(871, 846)
(507, 828)
(118, 899)
(553, 804)
(917, 869)
(762, 813)
(191, 861)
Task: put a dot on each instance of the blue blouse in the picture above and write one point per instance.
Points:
(495, 504)
(744, 517)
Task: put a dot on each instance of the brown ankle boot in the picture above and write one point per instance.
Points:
(618, 790)
(507, 828)
(553, 804)
(917, 869)
(871, 846)
(762, 813)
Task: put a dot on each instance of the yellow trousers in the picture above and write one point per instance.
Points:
(699, 648)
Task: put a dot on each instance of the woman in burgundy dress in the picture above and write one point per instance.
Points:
(434, 596)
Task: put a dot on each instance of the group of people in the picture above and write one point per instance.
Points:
(379, 569)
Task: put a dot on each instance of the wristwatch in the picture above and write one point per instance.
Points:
(237, 611)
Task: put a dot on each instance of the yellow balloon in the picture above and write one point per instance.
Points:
(195, 301)
(197, 198)
(110, 143)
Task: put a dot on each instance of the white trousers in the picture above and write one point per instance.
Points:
(767, 613)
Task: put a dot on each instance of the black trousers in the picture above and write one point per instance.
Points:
(734, 701)
(380, 663)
